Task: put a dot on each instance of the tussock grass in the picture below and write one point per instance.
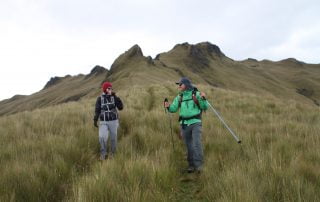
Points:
(42, 151)
(51, 154)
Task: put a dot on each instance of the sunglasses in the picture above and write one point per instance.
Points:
(109, 88)
(180, 84)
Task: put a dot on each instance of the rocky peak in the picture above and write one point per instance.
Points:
(292, 61)
(208, 48)
(251, 60)
(204, 48)
(54, 80)
(98, 70)
(134, 51)
(184, 45)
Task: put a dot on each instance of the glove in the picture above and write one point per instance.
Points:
(95, 123)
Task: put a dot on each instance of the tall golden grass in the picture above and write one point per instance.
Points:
(52, 154)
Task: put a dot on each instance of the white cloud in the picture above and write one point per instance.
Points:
(44, 38)
(302, 44)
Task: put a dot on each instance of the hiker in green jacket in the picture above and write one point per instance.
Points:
(191, 103)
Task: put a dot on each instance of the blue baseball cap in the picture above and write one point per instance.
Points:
(185, 81)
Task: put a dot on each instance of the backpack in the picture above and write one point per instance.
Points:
(108, 108)
(194, 98)
(196, 102)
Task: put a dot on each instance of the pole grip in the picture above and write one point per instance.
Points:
(165, 108)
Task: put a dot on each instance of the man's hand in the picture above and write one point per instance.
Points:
(166, 103)
(203, 95)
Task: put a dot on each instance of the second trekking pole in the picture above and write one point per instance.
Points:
(224, 123)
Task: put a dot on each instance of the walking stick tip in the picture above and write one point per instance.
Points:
(239, 142)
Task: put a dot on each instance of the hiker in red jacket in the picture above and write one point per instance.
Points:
(107, 113)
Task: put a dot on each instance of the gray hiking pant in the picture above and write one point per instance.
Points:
(192, 138)
(104, 128)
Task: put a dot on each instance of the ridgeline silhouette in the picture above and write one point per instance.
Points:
(203, 63)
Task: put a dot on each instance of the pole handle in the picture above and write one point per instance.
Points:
(165, 100)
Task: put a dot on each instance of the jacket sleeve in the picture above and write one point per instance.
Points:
(119, 103)
(174, 105)
(97, 109)
(202, 102)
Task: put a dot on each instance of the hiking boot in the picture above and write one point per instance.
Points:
(190, 169)
(102, 157)
(198, 169)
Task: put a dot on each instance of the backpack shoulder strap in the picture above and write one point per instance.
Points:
(102, 99)
(194, 97)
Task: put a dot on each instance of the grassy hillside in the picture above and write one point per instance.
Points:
(205, 63)
(52, 154)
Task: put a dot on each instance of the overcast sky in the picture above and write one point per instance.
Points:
(40, 39)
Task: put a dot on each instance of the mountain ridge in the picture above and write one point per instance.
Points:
(203, 63)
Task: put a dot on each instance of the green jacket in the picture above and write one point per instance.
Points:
(188, 107)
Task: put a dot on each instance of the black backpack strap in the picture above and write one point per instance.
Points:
(194, 97)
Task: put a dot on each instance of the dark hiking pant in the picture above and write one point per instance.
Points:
(192, 139)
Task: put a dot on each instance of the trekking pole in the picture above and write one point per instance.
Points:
(224, 123)
(170, 122)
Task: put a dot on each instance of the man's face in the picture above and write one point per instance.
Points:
(182, 87)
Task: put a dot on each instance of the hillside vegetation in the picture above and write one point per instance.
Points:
(51, 154)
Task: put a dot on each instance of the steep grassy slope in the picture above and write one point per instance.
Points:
(52, 153)
(204, 63)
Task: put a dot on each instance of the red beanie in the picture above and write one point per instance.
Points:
(106, 85)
